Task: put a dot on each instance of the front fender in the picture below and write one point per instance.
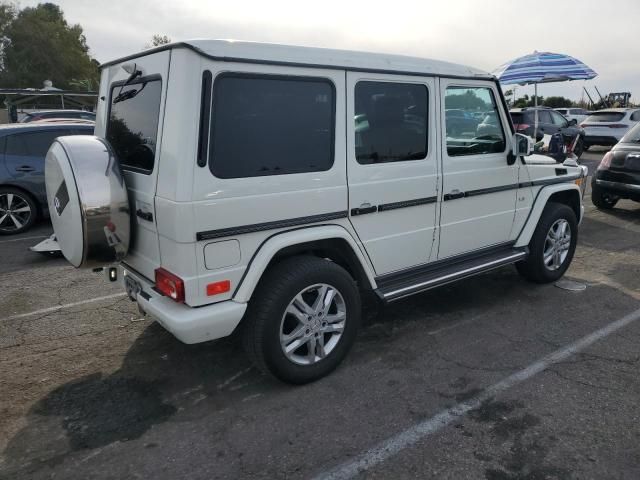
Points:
(282, 240)
(538, 206)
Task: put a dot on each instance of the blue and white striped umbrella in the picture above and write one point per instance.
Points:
(542, 67)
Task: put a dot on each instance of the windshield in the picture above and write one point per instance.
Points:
(605, 117)
(133, 124)
(633, 135)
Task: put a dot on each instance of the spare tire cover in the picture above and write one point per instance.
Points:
(87, 200)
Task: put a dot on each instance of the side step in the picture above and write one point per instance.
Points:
(395, 286)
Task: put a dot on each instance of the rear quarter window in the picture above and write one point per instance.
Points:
(271, 125)
(32, 144)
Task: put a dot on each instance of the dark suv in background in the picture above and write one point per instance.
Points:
(549, 123)
(618, 175)
(23, 148)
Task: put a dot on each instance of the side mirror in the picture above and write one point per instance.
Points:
(573, 122)
(522, 145)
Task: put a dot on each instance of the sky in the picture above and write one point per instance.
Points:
(479, 33)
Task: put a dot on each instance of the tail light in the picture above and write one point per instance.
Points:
(605, 163)
(521, 126)
(618, 125)
(170, 285)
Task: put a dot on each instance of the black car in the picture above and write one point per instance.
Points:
(70, 114)
(618, 175)
(23, 148)
(549, 123)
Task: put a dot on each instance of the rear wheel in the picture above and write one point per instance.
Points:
(603, 199)
(552, 245)
(18, 211)
(302, 319)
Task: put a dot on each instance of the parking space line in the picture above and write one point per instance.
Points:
(24, 238)
(63, 306)
(412, 435)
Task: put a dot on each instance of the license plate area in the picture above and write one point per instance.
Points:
(132, 287)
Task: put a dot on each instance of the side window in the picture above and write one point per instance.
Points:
(558, 119)
(390, 122)
(133, 123)
(271, 125)
(466, 135)
(544, 116)
(34, 144)
(635, 116)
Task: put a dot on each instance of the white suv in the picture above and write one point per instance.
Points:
(264, 187)
(607, 127)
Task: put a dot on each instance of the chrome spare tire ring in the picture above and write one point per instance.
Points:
(556, 244)
(15, 212)
(312, 324)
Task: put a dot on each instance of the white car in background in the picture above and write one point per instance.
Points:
(606, 127)
(577, 114)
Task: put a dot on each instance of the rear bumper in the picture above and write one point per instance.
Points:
(604, 140)
(187, 324)
(623, 188)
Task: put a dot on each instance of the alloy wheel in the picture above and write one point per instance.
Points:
(312, 324)
(15, 212)
(556, 244)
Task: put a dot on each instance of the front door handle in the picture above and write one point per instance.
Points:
(454, 195)
(25, 168)
(363, 209)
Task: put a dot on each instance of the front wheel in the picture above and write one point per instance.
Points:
(552, 245)
(302, 319)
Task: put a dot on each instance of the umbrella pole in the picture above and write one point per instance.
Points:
(535, 103)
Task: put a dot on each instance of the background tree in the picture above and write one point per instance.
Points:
(157, 40)
(558, 102)
(39, 45)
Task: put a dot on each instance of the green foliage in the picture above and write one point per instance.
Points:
(558, 102)
(157, 40)
(40, 45)
(526, 101)
(466, 101)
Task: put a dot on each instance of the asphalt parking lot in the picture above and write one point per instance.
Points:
(489, 378)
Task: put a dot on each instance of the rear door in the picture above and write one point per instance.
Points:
(479, 187)
(392, 159)
(132, 125)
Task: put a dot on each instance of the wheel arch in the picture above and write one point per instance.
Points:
(566, 193)
(330, 241)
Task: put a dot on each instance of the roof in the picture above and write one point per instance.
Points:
(62, 111)
(618, 110)
(231, 50)
(6, 128)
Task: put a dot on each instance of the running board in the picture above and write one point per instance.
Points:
(399, 285)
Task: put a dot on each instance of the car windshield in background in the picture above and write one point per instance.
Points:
(632, 136)
(605, 117)
(133, 124)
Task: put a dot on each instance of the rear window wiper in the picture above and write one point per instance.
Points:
(121, 97)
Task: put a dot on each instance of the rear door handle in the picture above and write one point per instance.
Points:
(454, 195)
(148, 216)
(25, 168)
(363, 209)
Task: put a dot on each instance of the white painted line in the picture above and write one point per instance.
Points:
(232, 378)
(24, 238)
(393, 445)
(60, 307)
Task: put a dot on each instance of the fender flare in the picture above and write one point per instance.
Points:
(540, 202)
(270, 248)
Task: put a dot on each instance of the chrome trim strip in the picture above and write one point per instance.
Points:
(451, 276)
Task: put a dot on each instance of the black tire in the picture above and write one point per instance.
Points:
(266, 312)
(534, 268)
(586, 147)
(19, 201)
(602, 199)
